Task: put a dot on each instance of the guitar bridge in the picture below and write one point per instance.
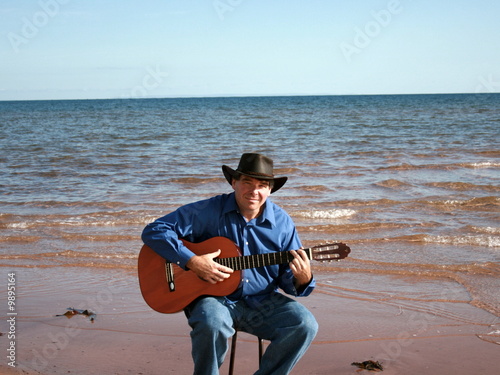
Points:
(169, 272)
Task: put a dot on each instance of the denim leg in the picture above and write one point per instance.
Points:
(289, 326)
(212, 325)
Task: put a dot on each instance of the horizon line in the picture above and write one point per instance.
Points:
(243, 96)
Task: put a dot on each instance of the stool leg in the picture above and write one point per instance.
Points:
(233, 352)
(261, 350)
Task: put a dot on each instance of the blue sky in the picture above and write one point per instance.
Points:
(92, 49)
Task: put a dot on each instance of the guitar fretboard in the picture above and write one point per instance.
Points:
(258, 260)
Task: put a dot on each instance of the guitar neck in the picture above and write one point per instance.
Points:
(259, 260)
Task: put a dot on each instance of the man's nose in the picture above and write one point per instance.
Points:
(254, 189)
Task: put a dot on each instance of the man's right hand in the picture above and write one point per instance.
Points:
(207, 269)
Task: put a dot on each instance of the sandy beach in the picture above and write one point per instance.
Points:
(127, 337)
(409, 182)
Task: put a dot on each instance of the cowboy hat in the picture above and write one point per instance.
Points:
(257, 166)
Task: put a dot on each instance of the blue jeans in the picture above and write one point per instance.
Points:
(287, 324)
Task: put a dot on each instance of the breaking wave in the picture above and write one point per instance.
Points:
(325, 214)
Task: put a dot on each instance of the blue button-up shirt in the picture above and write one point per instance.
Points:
(271, 231)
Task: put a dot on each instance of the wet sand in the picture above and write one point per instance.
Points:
(127, 337)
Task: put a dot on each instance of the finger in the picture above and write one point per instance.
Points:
(295, 262)
(223, 275)
(225, 269)
(218, 276)
(210, 280)
(215, 254)
(299, 254)
(296, 266)
(298, 261)
(294, 253)
(302, 254)
(214, 279)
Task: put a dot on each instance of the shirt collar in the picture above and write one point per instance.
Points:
(230, 204)
(266, 216)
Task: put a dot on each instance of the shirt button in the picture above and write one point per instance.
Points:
(246, 243)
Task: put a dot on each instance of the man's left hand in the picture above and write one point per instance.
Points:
(301, 268)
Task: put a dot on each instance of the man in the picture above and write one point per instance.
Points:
(256, 225)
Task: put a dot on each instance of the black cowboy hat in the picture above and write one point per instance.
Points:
(257, 166)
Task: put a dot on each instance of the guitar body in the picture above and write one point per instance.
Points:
(163, 296)
(168, 289)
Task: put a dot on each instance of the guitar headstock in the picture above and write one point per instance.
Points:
(329, 252)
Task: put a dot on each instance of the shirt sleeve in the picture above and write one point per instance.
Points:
(288, 285)
(187, 222)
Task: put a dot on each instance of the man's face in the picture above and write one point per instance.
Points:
(250, 194)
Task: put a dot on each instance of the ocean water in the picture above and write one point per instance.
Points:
(409, 182)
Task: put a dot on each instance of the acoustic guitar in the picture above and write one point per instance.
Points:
(167, 288)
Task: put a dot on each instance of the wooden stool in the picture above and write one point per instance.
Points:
(233, 352)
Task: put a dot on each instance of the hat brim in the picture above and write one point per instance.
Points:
(230, 173)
